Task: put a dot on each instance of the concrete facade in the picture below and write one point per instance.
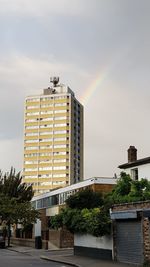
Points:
(53, 139)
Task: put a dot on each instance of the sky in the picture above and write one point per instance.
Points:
(100, 49)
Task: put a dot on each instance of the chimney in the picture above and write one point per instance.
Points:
(132, 154)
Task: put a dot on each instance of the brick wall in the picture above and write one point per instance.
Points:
(130, 206)
(67, 239)
(146, 238)
(44, 220)
(61, 238)
(145, 224)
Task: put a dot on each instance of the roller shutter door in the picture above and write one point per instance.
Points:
(129, 242)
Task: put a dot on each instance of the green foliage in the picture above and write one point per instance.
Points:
(128, 190)
(93, 221)
(97, 221)
(85, 199)
(15, 199)
(56, 221)
(11, 186)
(123, 186)
(73, 220)
(84, 214)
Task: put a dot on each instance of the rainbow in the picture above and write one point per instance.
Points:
(94, 85)
(102, 75)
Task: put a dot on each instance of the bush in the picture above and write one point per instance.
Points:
(94, 221)
(85, 199)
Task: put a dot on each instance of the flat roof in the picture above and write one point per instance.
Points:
(87, 182)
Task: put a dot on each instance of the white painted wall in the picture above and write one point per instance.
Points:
(37, 228)
(104, 242)
(143, 171)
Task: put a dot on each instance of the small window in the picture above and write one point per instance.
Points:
(134, 174)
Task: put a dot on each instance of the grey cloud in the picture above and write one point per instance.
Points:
(86, 39)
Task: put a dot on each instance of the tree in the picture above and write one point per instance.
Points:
(84, 213)
(85, 199)
(128, 190)
(11, 185)
(15, 196)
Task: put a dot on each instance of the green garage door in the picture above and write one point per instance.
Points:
(129, 242)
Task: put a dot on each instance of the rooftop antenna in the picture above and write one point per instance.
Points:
(54, 80)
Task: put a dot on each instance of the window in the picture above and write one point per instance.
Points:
(31, 134)
(45, 175)
(46, 140)
(45, 161)
(32, 120)
(44, 183)
(60, 118)
(47, 112)
(30, 169)
(46, 126)
(32, 99)
(30, 162)
(60, 104)
(59, 175)
(46, 133)
(60, 146)
(60, 139)
(32, 127)
(30, 177)
(46, 98)
(60, 153)
(46, 105)
(32, 113)
(60, 124)
(58, 182)
(134, 174)
(60, 111)
(47, 119)
(60, 132)
(45, 168)
(31, 147)
(31, 141)
(60, 97)
(45, 147)
(59, 160)
(32, 107)
(59, 168)
(45, 154)
(31, 155)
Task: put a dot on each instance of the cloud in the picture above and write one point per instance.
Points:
(21, 76)
(76, 40)
(42, 8)
(12, 154)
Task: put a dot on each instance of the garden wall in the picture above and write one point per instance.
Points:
(91, 246)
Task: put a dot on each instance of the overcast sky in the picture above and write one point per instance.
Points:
(78, 40)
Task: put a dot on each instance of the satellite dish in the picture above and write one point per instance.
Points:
(54, 80)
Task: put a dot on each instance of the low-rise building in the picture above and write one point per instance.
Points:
(137, 168)
(51, 203)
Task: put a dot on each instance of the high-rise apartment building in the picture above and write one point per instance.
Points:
(53, 139)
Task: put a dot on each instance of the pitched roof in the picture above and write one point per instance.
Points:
(135, 163)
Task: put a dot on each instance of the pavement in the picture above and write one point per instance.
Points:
(66, 256)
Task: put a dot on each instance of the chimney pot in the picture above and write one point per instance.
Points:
(132, 154)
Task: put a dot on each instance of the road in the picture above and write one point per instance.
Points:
(14, 259)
